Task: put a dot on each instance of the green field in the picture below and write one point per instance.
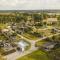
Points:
(30, 36)
(40, 43)
(2, 26)
(36, 55)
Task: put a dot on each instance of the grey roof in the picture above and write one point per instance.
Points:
(49, 45)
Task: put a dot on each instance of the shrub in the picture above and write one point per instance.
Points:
(8, 52)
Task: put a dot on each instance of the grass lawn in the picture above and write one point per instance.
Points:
(40, 43)
(36, 55)
(30, 36)
(18, 38)
(2, 37)
(2, 26)
(42, 27)
(47, 32)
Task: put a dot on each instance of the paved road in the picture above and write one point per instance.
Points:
(17, 54)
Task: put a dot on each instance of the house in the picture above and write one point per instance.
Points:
(54, 14)
(22, 45)
(52, 21)
(7, 31)
(48, 46)
(13, 27)
(7, 47)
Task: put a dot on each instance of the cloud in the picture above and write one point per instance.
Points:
(8, 3)
(29, 4)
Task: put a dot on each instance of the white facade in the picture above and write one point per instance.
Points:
(22, 45)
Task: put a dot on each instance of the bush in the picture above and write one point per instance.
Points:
(37, 34)
(9, 52)
(14, 45)
(18, 48)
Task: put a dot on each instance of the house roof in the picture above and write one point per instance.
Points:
(9, 27)
(52, 19)
(22, 43)
(5, 30)
(49, 45)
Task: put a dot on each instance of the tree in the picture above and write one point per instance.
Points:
(58, 18)
(54, 54)
(56, 39)
(37, 17)
(45, 15)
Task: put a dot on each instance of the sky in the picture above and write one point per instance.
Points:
(29, 4)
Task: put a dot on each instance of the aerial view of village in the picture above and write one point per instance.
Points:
(29, 29)
(32, 35)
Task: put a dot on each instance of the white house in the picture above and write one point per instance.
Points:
(52, 20)
(5, 30)
(22, 45)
